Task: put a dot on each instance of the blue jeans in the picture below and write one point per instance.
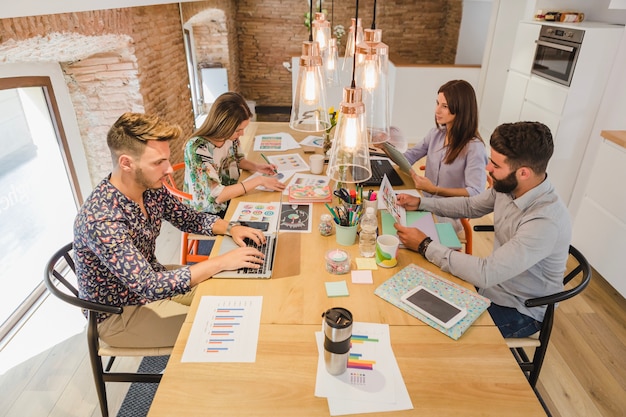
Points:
(511, 322)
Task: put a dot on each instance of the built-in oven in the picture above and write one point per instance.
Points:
(556, 53)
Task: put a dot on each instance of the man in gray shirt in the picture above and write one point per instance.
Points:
(532, 229)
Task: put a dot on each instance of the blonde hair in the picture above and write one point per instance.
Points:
(131, 132)
(227, 113)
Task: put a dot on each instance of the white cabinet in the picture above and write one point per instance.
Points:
(568, 112)
(514, 93)
(599, 229)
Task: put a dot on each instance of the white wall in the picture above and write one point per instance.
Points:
(473, 32)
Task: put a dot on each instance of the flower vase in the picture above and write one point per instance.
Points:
(328, 142)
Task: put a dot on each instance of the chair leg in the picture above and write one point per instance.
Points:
(98, 375)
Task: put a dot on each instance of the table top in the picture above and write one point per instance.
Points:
(474, 375)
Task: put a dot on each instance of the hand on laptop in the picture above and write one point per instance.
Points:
(239, 233)
(241, 258)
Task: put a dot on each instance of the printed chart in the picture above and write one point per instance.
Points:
(226, 329)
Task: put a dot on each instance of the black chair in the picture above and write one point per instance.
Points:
(541, 339)
(59, 277)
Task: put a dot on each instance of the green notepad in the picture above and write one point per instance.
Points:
(441, 232)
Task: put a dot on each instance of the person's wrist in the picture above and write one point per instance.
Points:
(421, 249)
(230, 226)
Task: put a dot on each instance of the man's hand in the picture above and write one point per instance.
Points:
(239, 233)
(411, 237)
(409, 202)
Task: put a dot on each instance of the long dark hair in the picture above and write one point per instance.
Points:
(462, 104)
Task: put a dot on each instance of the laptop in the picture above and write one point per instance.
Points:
(380, 167)
(268, 249)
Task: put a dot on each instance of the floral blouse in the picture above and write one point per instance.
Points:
(114, 246)
(208, 169)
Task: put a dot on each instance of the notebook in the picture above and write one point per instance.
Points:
(268, 249)
(380, 167)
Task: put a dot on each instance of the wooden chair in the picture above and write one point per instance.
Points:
(189, 252)
(59, 277)
(541, 339)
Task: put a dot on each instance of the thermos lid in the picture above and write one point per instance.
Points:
(338, 317)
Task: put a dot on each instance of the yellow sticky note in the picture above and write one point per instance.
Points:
(366, 263)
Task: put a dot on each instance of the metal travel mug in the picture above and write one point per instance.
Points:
(337, 326)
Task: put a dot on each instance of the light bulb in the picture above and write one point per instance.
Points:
(370, 74)
(308, 88)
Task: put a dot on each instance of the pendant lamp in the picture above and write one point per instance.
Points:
(355, 36)
(331, 63)
(349, 160)
(372, 57)
(308, 112)
(321, 31)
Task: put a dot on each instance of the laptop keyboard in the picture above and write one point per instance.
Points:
(264, 249)
(380, 167)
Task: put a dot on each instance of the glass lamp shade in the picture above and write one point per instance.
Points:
(308, 113)
(321, 31)
(351, 45)
(349, 160)
(372, 57)
(331, 62)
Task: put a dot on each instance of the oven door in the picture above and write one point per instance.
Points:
(555, 60)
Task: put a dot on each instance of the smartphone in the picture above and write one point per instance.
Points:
(434, 306)
(263, 226)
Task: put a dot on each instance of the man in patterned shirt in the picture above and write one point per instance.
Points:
(115, 235)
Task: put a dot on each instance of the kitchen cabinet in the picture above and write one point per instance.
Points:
(569, 112)
(599, 230)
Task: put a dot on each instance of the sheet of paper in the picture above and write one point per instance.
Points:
(275, 142)
(225, 329)
(337, 289)
(362, 277)
(381, 203)
(315, 141)
(390, 200)
(306, 179)
(296, 217)
(372, 382)
(289, 162)
(281, 176)
(258, 212)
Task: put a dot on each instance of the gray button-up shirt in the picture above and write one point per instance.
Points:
(531, 245)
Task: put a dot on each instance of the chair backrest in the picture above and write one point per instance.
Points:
(170, 183)
(59, 269)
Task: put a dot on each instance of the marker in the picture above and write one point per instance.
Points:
(268, 161)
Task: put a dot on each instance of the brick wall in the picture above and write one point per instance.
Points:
(133, 59)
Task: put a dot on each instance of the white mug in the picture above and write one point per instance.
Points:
(317, 163)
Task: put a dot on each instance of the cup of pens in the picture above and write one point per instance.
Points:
(346, 221)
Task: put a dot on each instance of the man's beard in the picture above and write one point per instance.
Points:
(505, 185)
(140, 179)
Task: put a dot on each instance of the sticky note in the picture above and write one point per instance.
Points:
(337, 289)
(366, 263)
(362, 277)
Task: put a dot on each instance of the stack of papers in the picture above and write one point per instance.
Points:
(372, 383)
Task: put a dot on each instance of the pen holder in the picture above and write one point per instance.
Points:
(345, 235)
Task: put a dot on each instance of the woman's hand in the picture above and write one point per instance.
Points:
(267, 169)
(239, 258)
(423, 183)
(272, 183)
(239, 233)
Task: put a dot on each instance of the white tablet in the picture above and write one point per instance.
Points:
(433, 306)
(398, 157)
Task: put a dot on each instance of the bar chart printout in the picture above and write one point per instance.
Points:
(225, 329)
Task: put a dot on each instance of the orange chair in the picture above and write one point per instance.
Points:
(467, 228)
(189, 247)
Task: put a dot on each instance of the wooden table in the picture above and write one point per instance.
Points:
(476, 375)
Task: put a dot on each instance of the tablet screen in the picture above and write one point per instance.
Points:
(434, 305)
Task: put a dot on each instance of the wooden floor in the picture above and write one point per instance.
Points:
(44, 369)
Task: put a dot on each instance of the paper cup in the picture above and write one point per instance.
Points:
(316, 162)
(368, 203)
(387, 251)
(345, 235)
